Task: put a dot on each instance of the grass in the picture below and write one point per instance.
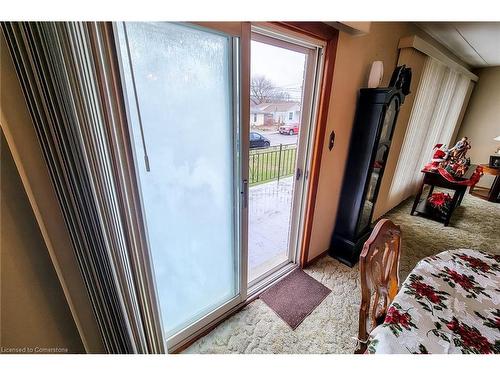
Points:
(266, 165)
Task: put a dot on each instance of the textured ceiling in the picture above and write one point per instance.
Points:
(476, 43)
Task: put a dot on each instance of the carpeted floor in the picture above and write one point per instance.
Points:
(332, 325)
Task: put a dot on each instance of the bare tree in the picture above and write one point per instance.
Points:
(263, 90)
(280, 96)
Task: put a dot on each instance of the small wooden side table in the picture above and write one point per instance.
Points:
(492, 194)
(434, 179)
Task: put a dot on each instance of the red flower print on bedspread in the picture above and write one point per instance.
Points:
(469, 338)
(477, 265)
(475, 262)
(467, 282)
(424, 292)
(397, 319)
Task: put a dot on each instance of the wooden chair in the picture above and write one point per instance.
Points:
(379, 271)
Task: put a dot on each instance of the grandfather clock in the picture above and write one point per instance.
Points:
(376, 116)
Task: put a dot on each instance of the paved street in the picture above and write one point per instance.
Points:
(277, 138)
(269, 225)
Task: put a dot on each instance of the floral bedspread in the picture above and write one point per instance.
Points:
(450, 303)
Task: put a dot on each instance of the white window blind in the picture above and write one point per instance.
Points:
(438, 103)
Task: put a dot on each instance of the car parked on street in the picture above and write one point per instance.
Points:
(289, 129)
(258, 141)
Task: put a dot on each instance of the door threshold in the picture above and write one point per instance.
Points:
(261, 285)
(253, 293)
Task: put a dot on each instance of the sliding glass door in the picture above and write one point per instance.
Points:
(182, 88)
(283, 93)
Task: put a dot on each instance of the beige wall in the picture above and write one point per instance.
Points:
(481, 121)
(33, 310)
(354, 57)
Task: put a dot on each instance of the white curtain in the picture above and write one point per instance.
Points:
(438, 103)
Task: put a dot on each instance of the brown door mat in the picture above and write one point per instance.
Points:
(295, 297)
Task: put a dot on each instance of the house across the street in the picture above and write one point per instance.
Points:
(278, 113)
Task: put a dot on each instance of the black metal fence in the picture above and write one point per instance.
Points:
(271, 163)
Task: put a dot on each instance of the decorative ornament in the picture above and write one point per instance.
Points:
(453, 163)
(440, 202)
(376, 74)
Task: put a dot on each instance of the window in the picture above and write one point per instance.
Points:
(255, 117)
(290, 115)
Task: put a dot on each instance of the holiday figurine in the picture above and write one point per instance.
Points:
(453, 160)
(438, 157)
(458, 151)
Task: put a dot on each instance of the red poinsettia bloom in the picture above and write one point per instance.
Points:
(394, 316)
(426, 291)
(470, 337)
(475, 262)
(459, 279)
(439, 199)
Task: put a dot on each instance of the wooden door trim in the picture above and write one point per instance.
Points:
(316, 30)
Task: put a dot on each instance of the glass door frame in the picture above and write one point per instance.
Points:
(242, 32)
(240, 86)
(313, 50)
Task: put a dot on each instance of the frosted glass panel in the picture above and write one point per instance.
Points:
(184, 90)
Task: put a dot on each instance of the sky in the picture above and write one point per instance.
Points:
(284, 67)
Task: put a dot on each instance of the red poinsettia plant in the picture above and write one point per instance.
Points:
(440, 201)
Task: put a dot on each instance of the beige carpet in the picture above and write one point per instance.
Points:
(332, 325)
